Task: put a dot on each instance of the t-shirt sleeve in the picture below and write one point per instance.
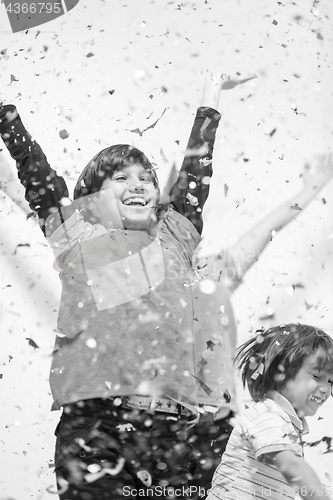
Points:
(271, 431)
(44, 188)
(190, 192)
(183, 231)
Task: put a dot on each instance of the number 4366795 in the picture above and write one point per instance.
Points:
(33, 8)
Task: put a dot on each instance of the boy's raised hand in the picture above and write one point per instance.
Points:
(316, 176)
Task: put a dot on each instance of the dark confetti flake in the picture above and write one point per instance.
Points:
(7, 286)
(13, 79)
(226, 189)
(153, 125)
(1, 375)
(32, 343)
(274, 22)
(90, 54)
(295, 207)
(272, 132)
(210, 345)
(203, 385)
(111, 91)
(299, 285)
(226, 396)
(63, 134)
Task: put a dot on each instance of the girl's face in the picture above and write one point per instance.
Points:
(127, 200)
(310, 388)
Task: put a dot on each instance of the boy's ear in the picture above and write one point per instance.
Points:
(172, 178)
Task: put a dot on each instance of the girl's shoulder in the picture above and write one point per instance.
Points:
(264, 407)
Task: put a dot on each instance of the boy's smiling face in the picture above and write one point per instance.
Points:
(311, 386)
(127, 200)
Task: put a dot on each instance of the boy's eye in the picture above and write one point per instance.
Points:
(119, 178)
(146, 178)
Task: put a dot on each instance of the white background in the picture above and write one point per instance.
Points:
(152, 54)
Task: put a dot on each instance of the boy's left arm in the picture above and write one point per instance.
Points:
(189, 194)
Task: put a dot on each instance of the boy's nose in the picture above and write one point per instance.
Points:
(325, 388)
(136, 186)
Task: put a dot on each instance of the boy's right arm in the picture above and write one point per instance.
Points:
(44, 188)
(300, 475)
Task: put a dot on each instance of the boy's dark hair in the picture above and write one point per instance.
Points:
(272, 358)
(105, 163)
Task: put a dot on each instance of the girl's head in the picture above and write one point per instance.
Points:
(295, 360)
(121, 188)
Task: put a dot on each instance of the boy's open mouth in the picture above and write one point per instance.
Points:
(135, 202)
(316, 400)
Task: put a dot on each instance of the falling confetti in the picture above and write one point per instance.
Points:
(226, 396)
(153, 125)
(32, 343)
(63, 134)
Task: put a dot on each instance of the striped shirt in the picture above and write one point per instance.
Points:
(266, 427)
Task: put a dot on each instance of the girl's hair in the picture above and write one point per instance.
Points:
(105, 163)
(274, 356)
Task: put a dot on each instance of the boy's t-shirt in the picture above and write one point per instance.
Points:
(267, 426)
(116, 339)
(125, 322)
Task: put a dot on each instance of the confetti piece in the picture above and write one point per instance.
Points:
(267, 316)
(274, 22)
(226, 189)
(204, 386)
(272, 132)
(21, 245)
(111, 92)
(165, 159)
(153, 125)
(32, 343)
(307, 306)
(226, 396)
(63, 134)
(295, 207)
(13, 79)
(90, 54)
(210, 344)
